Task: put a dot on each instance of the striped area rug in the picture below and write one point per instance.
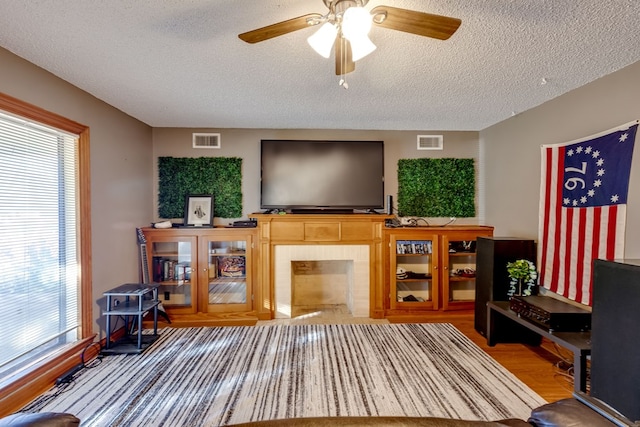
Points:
(227, 375)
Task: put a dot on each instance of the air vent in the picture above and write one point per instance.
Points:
(206, 140)
(430, 142)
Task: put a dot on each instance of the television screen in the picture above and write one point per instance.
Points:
(322, 175)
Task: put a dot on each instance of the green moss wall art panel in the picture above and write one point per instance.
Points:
(436, 187)
(181, 176)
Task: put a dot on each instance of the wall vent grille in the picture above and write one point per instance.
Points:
(430, 142)
(206, 140)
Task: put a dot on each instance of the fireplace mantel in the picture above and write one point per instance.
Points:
(319, 229)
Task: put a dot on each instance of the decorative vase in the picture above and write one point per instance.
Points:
(522, 274)
(519, 289)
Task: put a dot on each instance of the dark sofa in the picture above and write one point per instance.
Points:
(41, 419)
(563, 413)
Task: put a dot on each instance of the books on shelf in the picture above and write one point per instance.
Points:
(411, 247)
(170, 270)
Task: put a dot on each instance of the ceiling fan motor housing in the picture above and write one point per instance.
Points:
(339, 6)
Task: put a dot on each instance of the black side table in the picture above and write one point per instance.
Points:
(132, 308)
(499, 315)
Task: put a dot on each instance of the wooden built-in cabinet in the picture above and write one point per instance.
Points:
(205, 275)
(431, 268)
(225, 276)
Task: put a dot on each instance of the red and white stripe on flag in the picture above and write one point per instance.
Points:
(582, 216)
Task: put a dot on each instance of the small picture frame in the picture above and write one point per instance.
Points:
(198, 210)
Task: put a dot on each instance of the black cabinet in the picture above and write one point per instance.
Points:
(492, 279)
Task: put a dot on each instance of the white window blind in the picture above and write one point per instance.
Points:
(39, 283)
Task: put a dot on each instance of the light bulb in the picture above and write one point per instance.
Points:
(322, 40)
(356, 22)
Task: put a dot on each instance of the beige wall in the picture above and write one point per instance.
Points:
(121, 169)
(511, 151)
(245, 143)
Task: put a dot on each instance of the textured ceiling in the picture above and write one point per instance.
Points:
(179, 63)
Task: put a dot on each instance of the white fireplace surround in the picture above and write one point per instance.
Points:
(357, 295)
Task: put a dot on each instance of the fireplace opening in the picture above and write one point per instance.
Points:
(321, 285)
(356, 268)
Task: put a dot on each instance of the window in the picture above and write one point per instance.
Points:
(43, 245)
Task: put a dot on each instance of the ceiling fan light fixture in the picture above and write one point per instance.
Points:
(345, 28)
(322, 40)
(361, 47)
(356, 22)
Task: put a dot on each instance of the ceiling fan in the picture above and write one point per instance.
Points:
(346, 25)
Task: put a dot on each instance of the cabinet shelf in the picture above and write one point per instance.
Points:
(174, 283)
(167, 254)
(413, 304)
(223, 254)
(227, 280)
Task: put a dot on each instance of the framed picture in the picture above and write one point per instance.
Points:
(198, 210)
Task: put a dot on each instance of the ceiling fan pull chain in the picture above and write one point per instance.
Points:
(343, 60)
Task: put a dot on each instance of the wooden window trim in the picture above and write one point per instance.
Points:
(20, 391)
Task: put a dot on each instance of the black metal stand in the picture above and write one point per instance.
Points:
(132, 309)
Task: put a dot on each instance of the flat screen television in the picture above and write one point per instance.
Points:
(324, 176)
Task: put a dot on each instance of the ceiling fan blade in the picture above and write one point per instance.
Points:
(420, 23)
(278, 29)
(344, 61)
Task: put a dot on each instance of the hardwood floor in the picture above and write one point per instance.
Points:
(543, 369)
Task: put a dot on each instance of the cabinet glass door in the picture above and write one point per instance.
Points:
(227, 274)
(413, 275)
(459, 287)
(171, 268)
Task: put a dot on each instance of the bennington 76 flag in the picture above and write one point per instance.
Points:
(583, 206)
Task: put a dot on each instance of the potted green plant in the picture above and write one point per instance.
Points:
(523, 275)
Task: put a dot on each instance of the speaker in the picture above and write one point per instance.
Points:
(615, 337)
(389, 204)
(492, 278)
